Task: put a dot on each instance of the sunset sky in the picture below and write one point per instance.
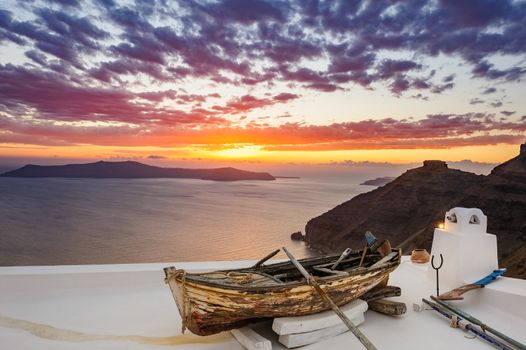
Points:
(266, 81)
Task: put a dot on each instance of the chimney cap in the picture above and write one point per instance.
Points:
(435, 164)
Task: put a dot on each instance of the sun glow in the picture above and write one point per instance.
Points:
(240, 152)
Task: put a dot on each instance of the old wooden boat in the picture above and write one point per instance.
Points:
(222, 300)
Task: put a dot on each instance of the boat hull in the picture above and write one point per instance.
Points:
(209, 309)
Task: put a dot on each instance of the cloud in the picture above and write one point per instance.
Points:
(449, 78)
(111, 73)
(153, 156)
(246, 12)
(507, 113)
(33, 93)
(434, 132)
(403, 144)
(247, 103)
(285, 96)
(475, 101)
(247, 44)
(389, 68)
(496, 104)
(56, 33)
(73, 3)
(489, 90)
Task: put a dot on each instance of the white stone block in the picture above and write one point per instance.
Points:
(250, 339)
(301, 339)
(309, 323)
(469, 252)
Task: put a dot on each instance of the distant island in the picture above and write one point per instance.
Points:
(379, 181)
(134, 170)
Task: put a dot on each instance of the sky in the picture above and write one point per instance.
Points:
(288, 82)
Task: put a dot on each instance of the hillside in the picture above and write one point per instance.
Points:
(408, 209)
(130, 169)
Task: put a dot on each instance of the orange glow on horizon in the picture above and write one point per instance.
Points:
(256, 153)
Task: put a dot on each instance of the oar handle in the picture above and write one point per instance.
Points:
(345, 254)
(265, 258)
(490, 278)
(310, 279)
(297, 264)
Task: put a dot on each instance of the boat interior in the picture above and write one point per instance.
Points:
(285, 273)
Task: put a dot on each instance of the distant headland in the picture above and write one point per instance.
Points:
(407, 210)
(134, 170)
(379, 181)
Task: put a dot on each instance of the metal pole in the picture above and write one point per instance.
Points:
(436, 269)
(311, 281)
(469, 327)
(483, 326)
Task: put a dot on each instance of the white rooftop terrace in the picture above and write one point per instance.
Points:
(130, 307)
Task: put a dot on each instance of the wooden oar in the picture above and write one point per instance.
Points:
(456, 293)
(265, 258)
(311, 281)
(482, 325)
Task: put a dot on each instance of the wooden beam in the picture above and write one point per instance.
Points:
(381, 293)
(388, 307)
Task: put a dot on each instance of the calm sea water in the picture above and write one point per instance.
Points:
(85, 221)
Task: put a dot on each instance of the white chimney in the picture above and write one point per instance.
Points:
(469, 252)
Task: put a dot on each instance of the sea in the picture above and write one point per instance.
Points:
(55, 221)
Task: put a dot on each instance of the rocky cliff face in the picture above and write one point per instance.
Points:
(409, 208)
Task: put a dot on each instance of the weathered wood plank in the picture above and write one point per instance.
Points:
(250, 339)
(384, 259)
(381, 293)
(388, 307)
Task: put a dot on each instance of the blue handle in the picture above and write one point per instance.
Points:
(490, 278)
(370, 238)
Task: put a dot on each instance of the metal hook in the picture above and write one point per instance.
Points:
(437, 268)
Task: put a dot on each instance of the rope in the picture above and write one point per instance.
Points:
(240, 277)
(454, 322)
(174, 274)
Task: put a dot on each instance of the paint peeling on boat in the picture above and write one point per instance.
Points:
(217, 306)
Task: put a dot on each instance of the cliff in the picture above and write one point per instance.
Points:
(130, 169)
(408, 209)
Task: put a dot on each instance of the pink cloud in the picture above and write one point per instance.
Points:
(434, 131)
